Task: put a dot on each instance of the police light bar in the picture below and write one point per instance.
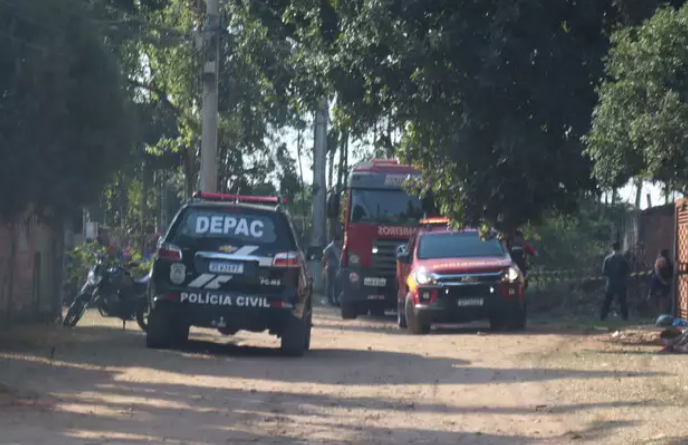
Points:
(435, 221)
(239, 198)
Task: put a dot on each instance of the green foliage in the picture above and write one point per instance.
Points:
(640, 126)
(493, 97)
(579, 241)
(64, 120)
(80, 259)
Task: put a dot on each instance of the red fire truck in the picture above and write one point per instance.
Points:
(380, 216)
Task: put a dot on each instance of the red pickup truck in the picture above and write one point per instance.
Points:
(454, 276)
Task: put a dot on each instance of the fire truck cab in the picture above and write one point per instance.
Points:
(379, 218)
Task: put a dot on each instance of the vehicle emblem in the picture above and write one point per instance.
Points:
(177, 273)
(469, 280)
(228, 249)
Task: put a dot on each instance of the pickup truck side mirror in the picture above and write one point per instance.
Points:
(404, 257)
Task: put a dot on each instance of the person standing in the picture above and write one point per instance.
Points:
(616, 269)
(331, 260)
(660, 286)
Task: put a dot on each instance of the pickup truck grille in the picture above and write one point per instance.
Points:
(384, 262)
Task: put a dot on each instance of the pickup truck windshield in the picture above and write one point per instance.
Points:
(457, 245)
(389, 207)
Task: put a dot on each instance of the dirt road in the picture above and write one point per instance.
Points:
(363, 383)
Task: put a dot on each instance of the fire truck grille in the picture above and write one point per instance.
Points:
(384, 261)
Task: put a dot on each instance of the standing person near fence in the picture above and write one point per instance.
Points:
(616, 269)
(330, 260)
(659, 297)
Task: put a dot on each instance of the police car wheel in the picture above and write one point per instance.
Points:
(160, 332)
(295, 337)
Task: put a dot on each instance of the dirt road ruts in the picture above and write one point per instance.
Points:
(364, 382)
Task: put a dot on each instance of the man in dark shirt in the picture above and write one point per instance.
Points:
(616, 269)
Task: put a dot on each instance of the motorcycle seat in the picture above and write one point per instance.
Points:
(143, 280)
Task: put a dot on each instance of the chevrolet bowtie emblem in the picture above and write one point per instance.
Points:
(228, 249)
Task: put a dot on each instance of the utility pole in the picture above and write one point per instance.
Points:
(211, 47)
(320, 175)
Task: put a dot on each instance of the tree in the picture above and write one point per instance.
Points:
(64, 121)
(640, 125)
(493, 96)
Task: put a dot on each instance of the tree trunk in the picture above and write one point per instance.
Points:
(9, 277)
(59, 266)
(638, 193)
(144, 206)
(299, 147)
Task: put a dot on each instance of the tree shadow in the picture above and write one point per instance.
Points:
(99, 406)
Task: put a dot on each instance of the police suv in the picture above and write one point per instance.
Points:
(232, 263)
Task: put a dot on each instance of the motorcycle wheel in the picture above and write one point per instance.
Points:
(142, 314)
(74, 314)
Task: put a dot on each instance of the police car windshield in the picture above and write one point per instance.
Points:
(391, 207)
(457, 245)
(211, 228)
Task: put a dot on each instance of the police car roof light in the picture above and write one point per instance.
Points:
(434, 221)
(238, 198)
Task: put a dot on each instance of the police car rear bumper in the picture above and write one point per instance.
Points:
(229, 309)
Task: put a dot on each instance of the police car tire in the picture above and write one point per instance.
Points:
(295, 337)
(349, 311)
(415, 325)
(160, 332)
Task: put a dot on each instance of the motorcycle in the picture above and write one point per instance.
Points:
(114, 292)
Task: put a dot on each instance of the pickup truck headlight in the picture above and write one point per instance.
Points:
(511, 275)
(423, 277)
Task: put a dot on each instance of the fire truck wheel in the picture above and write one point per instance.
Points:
(349, 311)
(377, 310)
(415, 325)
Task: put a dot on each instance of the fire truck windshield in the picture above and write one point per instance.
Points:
(390, 207)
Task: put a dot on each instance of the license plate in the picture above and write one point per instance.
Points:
(375, 282)
(229, 268)
(470, 302)
(376, 297)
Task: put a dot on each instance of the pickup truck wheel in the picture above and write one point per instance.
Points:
(160, 333)
(295, 337)
(414, 323)
(401, 316)
(518, 320)
(349, 311)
